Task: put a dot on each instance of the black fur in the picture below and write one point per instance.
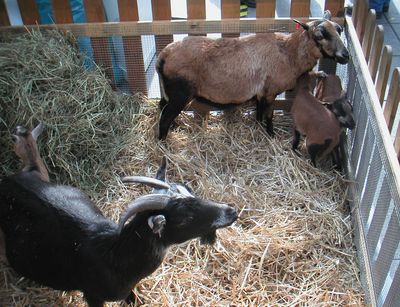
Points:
(316, 149)
(179, 92)
(56, 236)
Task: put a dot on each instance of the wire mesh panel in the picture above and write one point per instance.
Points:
(375, 193)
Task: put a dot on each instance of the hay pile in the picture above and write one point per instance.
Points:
(292, 244)
(42, 78)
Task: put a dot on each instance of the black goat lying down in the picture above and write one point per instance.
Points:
(56, 236)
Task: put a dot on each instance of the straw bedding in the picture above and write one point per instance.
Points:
(292, 244)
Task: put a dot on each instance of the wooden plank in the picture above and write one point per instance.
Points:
(265, 8)
(376, 109)
(230, 9)
(62, 11)
(335, 6)
(376, 50)
(362, 16)
(397, 143)
(162, 11)
(95, 13)
(392, 103)
(4, 20)
(106, 29)
(383, 72)
(196, 9)
(136, 74)
(300, 8)
(29, 12)
(369, 34)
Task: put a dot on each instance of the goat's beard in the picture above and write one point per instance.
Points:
(209, 238)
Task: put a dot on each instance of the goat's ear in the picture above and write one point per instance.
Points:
(157, 223)
(327, 15)
(302, 24)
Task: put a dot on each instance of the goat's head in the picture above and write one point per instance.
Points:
(178, 215)
(25, 146)
(326, 34)
(343, 111)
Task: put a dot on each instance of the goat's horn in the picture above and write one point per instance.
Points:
(144, 203)
(161, 173)
(37, 131)
(154, 183)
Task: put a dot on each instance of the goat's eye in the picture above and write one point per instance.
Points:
(339, 29)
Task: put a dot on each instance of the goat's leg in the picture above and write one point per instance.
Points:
(168, 114)
(264, 113)
(336, 159)
(131, 299)
(260, 109)
(296, 141)
(93, 302)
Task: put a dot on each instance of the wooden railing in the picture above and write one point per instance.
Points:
(379, 59)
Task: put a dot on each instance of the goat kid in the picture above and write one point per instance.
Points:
(230, 71)
(318, 123)
(56, 236)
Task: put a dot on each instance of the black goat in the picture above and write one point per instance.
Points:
(56, 236)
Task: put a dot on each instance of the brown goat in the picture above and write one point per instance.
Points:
(26, 149)
(318, 123)
(229, 71)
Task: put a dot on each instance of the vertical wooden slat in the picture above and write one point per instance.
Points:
(393, 100)
(230, 9)
(162, 11)
(362, 12)
(300, 8)
(383, 74)
(128, 11)
(196, 9)
(4, 20)
(95, 13)
(397, 143)
(29, 12)
(265, 8)
(335, 6)
(376, 50)
(62, 11)
(369, 33)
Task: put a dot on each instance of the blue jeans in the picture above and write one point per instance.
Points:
(377, 5)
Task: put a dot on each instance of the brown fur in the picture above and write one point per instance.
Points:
(235, 70)
(311, 118)
(26, 149)
(329, 88)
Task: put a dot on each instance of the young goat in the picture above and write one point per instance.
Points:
(231, 71)
(318, 123)
(56, 236)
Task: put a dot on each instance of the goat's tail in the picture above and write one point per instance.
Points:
(160, 69)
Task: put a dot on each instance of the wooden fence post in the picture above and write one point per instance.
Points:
(162, 11)
(29, 12)
(4, 20)
(62, 11)
(230, 9)
(393, 100)
(196, 9)
(383, 74)
(300, 8)
(336, 7)
(376, 50)
(265, 8)
(128, 11)
(101, 50)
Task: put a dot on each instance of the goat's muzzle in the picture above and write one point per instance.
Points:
(342, 57)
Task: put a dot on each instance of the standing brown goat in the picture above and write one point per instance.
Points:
(231, 71)
(321, 125)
